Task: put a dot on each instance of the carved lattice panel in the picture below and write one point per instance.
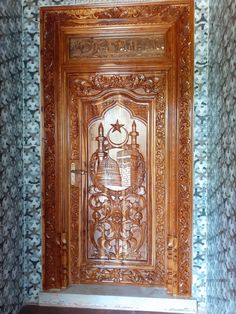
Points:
(117, 186)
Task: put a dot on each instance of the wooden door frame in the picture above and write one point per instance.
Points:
(176, 13)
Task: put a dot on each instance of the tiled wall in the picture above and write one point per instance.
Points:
(221, 278)
(32, 187)
(32, 146)
(11, 157)
(200, 151)
(221, 154)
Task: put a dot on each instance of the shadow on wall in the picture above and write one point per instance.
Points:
(36, 309)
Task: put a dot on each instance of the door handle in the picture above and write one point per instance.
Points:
(78, 171)
(74, 172)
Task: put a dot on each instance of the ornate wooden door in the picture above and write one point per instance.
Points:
(117, 105)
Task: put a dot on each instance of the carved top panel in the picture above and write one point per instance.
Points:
(105, 47)
(129, 14)
(139, 83)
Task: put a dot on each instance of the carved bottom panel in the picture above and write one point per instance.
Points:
(121, 276)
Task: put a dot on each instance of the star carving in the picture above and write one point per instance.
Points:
(117, 126)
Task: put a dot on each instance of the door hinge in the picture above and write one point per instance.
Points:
(64, 259)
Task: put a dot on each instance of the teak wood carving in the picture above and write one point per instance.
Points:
(116, 47)
(117, 144)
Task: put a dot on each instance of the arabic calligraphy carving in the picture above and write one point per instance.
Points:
(140, 46)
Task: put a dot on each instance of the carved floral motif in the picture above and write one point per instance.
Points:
(75, 190)
(118, 229)
(52, 239)
(117, 275)
(117, 196)
(162, 13)
(127, 14)
(185, 154)
(140, 83)
(74, 130)
(75, 195)
(160, 202)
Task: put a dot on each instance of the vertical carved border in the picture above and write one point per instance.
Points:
(184, 175)
(160, 202)
(75, 190)
(51, 239)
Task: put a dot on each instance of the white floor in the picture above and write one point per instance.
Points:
(119, 297)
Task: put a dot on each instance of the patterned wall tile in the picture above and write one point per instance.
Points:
(32, 184)
(32, 144)
(11, 154)
(200, 152)
(221, 154)
(221, 277)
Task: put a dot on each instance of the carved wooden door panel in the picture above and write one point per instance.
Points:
(118, 122)
(117, 102)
